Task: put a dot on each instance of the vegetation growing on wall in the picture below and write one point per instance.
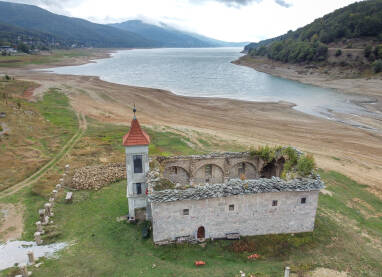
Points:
(296, 164)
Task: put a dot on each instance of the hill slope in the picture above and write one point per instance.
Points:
(13, 35)
(357, 26)
(164, 36)
(168, 36)
(74, 30)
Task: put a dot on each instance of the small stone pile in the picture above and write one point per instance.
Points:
(96, 177)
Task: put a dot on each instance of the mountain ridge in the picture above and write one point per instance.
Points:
(29, 24)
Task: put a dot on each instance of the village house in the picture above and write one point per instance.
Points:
(218, 195)
(7, 50)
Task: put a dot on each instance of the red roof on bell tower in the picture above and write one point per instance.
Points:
(136, 136)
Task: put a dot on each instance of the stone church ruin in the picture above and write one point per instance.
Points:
(218, 195)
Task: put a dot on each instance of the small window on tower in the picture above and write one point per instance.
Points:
(303, 200)
(138, 168)
(274, 203)
(231, 207)
(186, 211)
(138, 187)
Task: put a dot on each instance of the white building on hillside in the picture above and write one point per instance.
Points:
(136, 143)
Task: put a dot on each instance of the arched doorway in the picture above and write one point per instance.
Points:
(201, 233)
(209, 173)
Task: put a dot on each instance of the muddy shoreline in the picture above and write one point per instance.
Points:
(352, 151)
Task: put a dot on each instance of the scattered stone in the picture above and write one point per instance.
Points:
(69, 197)
(39, 227)
(48, 209)
(37, 238)
(37, 265)
(122, 218)
(96, 177)
(31, 258)
(41, 213)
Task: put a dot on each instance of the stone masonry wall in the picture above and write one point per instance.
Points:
(225, 166)
(253, 214)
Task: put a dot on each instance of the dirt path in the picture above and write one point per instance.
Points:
(11, 222)
(65, 149)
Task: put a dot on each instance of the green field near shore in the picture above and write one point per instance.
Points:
(47, 58)
(101, 246)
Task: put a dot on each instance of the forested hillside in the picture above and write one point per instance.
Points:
(357, 26)
(71, 30)
(15, 36)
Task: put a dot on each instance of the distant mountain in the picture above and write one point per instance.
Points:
(74, 30)
(168, 36)
(36, 27)
(219, 43)
(163, 35)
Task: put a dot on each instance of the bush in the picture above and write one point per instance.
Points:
(377, 66)
(292, 159)
(378, 52)
(264, 152)
(367, 51)
(338, 52)
(305, 165)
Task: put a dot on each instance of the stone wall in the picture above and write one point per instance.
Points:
(225, 166)
(252, 214)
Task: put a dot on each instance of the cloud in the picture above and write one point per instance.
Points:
(283, 3)
(241, 3)
(56, 6)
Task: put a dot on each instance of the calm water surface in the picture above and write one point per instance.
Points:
(208, 72)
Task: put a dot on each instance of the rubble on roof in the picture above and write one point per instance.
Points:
(237, 187)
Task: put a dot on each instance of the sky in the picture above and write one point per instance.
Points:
(228, 20)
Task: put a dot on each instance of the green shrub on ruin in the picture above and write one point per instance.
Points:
(305, 165)
(265, 152)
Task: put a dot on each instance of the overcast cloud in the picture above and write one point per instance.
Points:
(229, 20)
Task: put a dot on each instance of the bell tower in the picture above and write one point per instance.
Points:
(136, 143)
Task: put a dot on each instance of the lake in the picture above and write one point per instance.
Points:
(208, 72)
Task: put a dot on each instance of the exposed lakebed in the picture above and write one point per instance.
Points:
(208, 72)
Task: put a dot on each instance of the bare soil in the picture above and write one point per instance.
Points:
(11, 222)
(354, 152)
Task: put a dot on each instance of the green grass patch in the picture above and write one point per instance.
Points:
(104, 247)
(162, 143)
(53, 57)
(55, 108)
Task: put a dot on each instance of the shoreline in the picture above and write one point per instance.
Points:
(360, 87)
(357, 153)
(343, 118)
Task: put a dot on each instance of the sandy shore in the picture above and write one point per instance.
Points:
(352, 151)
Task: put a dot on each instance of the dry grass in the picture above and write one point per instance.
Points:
(35, 133)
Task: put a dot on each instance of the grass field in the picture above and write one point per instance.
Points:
(48, 58)
(104, 247)
(36, 130)
(347, 236)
